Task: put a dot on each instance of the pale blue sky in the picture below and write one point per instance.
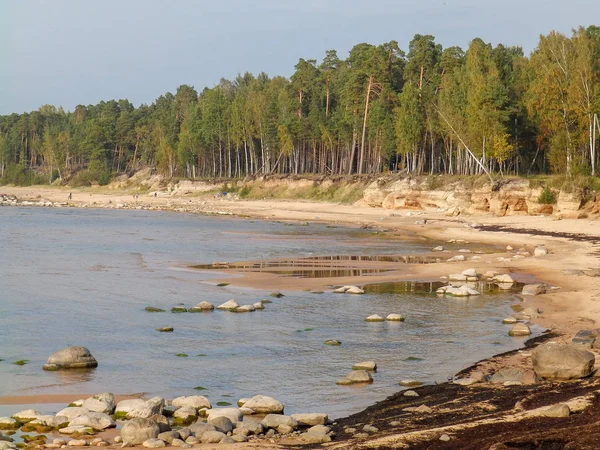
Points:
(70, 52)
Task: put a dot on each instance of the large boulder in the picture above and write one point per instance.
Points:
(262, 404)
(137, 431)
(95, 420)
(194, 401)
(104, 403)
(138, 408)
(559, 361)
(71, 358)
(233, 414)
(275, 420)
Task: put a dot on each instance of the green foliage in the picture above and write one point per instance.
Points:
(547, 197)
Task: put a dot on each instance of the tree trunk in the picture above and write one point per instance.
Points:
(364, 130)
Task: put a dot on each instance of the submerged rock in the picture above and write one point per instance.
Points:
(395, 318)
(153, 309)
(374, 318)
(71, 358)
(333, 342)
(365, 365)
(356, 377)
(519, 329)
(261, 404)
(202, 307)
(229, 305)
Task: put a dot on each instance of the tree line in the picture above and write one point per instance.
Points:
(429, 110)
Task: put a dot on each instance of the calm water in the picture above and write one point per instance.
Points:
(83, 277)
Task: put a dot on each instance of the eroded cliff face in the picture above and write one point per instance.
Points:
(507, 197)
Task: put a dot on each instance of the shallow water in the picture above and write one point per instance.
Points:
(83, 277)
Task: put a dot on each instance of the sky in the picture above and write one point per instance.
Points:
(70, 52)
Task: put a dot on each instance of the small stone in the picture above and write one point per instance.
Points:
(395, 423)
(118, 440)
(370, 429)
(509, 320)
(365, 365)
(374, 318)
(444, 438)
(153, 443)
(395, 318)
(165, 329)
(361, 436)
(420, 409)
(77, 443)
(559, 410)
(410, 394)
(350, 430)
(540, 251)
(410, 383)
(334, 342)
(519, 329)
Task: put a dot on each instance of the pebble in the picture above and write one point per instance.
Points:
(444, 438)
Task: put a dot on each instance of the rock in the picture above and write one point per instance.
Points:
(242, 401)
(71, 358)
(365, 365)
(139, 408)
(137, 431)
(229, 305)
(540, 251)
(222, 424)
(262, 404)
(457, 277)
(462, 291)
(559, 410)
(457, 258)
(27, 415)
(249, 428)
(529, 313)
(586, 338)
(361, 436)
(194, 401)
(103, 403)
(8, 423)
(333, 342)
(202, 306)
(410, 383)
(212, 437)
(439, 248)
(199, 428)
(179, 309)
(284, 429)
(509, 320)
(153, 443)
(275, 420)
(46, 421)
(180, 443)
(95, 420)
(78, 429)
(5, 438)
(534, 289)
(165, 329)
(503, 279)
(276, 294)
(506, 374)
(410, 394)
(355, 290)
(395, 318)
(470, 273)
(77, 443)
(374, 318)
(341, 290)
(153, 309)
(168, 436)
(473, 378)
(444, 438)
(519, 329)
(244, 308)
(185, 415)
(239, 438)
(423, 409)
(310, 419)
(562, 361)
(370, 429)
(192, 440)
(227, 440)
(184, 433)
(355, 377)
(233, 414)
(161, 421)
(258, 306)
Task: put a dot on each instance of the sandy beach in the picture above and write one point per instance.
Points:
(571, 266)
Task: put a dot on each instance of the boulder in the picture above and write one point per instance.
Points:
(471, 273)
(233, 414)
(212, 437)
(153, 443)
(8, 423)
(27, 415)
(48, 421)
(168, 436)
(519, 329)
(356, 377)
(95, 420)
(374, 318)
(275, 420)
(261, 404)
(222, 424)
(229, 305)
(365, 365)
(104, 403)
(534, 289)
(258, 306)
(554, 360)
(137, 431)
(540, 251)
(506, 374)
(503, 279)
(202, 306)
(558, 410)
(199, 428)
(139, 408)
(394, 318)
(244, 308)
(185, 415)
(71, 358)
(249, 428)
(462, 291)
(587, 338)
(194, 401)
(179, 309)
(310, 419)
